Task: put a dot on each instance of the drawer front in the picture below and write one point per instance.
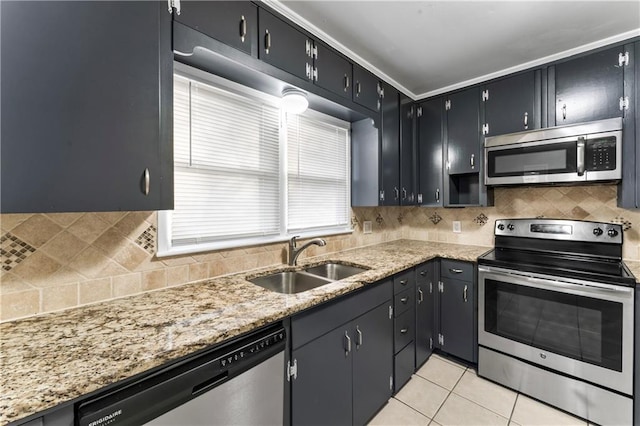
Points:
(403, 281)
(404, 301)
(425, 272)
(403, 367)
(404, 332)
(456, 269)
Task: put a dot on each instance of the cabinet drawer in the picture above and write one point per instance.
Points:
(402, 281)
(403, 366)
(319, 320)
(456, 269)
(424, 272)
(404, 331)
(403, 301)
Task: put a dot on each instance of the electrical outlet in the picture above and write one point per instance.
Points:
(366, 226)
(456, 227)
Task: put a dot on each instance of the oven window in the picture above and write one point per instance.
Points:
(536, 160)
(582, 328)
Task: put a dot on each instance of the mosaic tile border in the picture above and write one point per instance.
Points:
(13, 251)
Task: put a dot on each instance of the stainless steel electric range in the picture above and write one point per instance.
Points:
(556, 316)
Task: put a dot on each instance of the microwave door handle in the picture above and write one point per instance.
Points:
(580, 156)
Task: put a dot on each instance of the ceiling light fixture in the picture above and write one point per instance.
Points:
(294, 101)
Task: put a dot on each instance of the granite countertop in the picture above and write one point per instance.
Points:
(55, 358)
(634, 267)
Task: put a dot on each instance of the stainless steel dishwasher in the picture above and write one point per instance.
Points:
(239, 383)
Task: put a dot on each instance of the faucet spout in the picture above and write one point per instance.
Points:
(294, 251)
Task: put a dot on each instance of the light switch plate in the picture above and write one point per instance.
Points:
(456, 227)
(366, 226)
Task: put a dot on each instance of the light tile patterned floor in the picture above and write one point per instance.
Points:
(443, 392)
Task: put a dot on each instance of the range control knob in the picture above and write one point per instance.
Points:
(597, 232)
(612, 233)
(501, 227)
(510, 227)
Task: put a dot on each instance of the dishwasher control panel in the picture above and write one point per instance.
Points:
(251, 349)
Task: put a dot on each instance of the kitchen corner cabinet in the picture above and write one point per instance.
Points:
(234, 23)
(343, 357)
(587, 88)
(430, 140)
(512, 104)
(86, 106)
(404, 313)
(390, 147)
(332, 71)
(457, 312)
(426, 282)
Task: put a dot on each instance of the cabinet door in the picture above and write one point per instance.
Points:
(86, 106)
(366, 88)
(283, 46)
(372, 363)
(509, 106)
(589, 88)
(430, 159)
(334, 72)
(390, 161)
(407, 152)
(234, 23)
(463, 131)
(456, 318)
(425, 285)
(321, 393)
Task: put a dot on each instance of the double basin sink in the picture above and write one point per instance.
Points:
(290, 282)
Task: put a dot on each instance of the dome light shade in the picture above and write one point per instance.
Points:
(294, 101)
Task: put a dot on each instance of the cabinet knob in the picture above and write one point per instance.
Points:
(404, 331)
(404, 300)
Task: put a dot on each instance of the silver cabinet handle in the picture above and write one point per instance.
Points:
(423, 273)
(243, 28)
(147, 182)
(580, 156)
(404, 193)
(473, 160)
(420, 295)
(564, 111)
(358, 88)
(526, 120)
(346, 82)
(455, 271)
(404, 331)
(267, 41)
(404, 300)
(438, 195)
(396, 192)
(464, 293)
(359, 341)
(403, 282)
(348, 344)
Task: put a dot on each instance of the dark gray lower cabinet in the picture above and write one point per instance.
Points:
(344, 358)
(426, 281)
(404, 312)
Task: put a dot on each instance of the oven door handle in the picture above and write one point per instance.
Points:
(554, 282)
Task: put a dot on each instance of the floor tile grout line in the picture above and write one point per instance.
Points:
(414, 409)
(448, 395)
(482, 406)
(513, 410)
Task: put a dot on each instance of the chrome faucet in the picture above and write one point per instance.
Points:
(295, 252)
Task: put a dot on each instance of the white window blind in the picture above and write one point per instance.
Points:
(226, 156)
(318, 177)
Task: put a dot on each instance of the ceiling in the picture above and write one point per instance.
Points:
(425, 47)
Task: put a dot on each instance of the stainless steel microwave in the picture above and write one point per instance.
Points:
(582, 152)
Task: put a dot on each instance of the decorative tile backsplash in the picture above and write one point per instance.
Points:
(57, 261)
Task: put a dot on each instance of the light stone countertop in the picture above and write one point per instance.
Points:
(56, 358)
(634, 267)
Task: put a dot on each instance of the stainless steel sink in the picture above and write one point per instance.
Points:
(290, 282)
(334, 271)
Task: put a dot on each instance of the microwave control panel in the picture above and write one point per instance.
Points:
(600, 154)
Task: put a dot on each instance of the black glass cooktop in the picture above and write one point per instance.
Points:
(594, 269)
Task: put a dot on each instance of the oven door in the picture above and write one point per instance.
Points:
(557, 160)
(581, 329)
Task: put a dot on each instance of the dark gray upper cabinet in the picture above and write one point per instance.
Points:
(86, 106)
(390, 156)
(463, 131)
(510, 104)
(588, 88)
(430, 154)
(234, 23)
(407, 151)
(332, 71)
(366, 88)
(426, 283)
(284, 47)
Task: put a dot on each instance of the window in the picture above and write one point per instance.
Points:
(245, 173)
